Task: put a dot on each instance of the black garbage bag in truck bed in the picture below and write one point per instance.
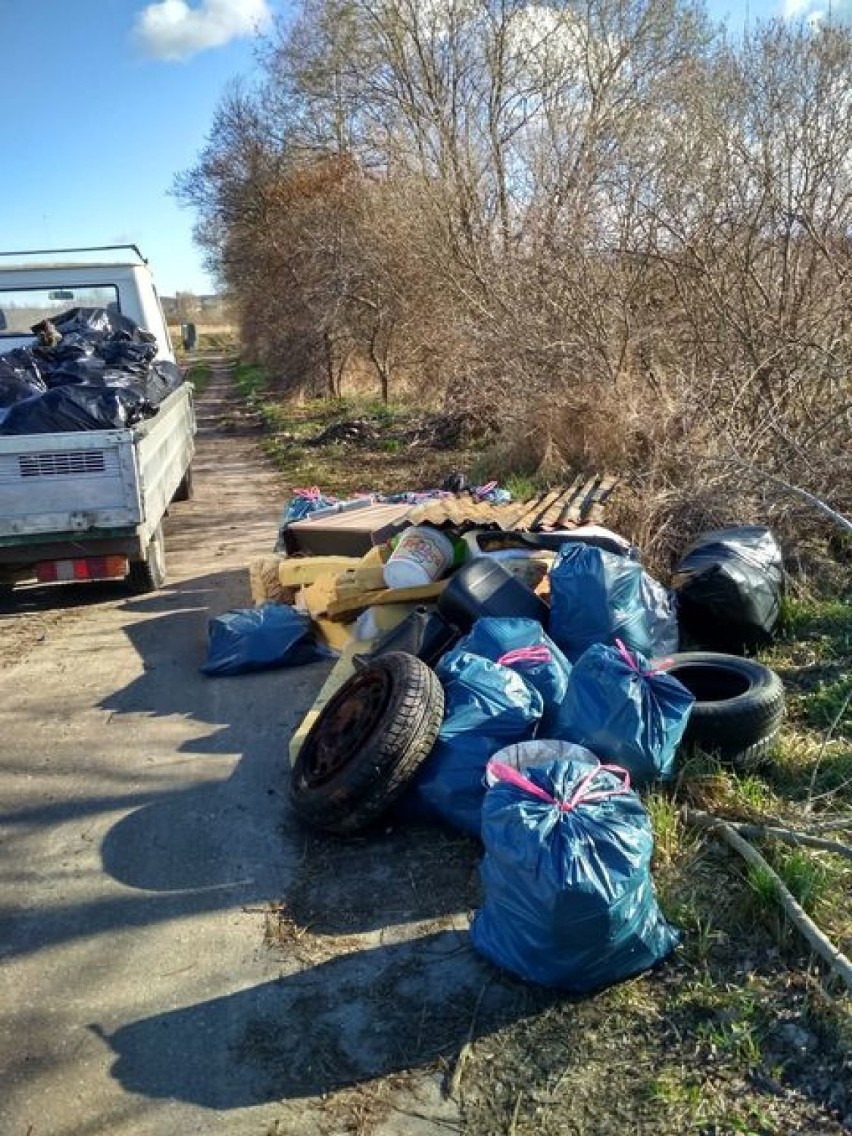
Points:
(100, 371)
(77, 406)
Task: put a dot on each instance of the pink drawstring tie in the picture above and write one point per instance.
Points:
(656, 668)
(525, 655)
(581, 795)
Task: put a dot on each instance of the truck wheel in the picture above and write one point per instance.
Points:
(149, 575)
(367, 744)
(184, 489)
(738, 708)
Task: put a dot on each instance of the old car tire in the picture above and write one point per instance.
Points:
(149, 575)
(738, 709)
(367, 743)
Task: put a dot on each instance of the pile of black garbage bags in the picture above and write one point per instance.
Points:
(89, 369)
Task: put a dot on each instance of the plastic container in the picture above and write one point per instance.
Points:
(484, 587)
(422, 554)
(423, 633)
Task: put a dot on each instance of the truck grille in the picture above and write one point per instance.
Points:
(70, 464)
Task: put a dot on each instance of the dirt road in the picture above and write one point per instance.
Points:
(150, 981)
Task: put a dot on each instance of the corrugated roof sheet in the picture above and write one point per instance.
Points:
(354, 530)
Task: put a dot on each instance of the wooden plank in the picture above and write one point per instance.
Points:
(316, 597)
(347, 608)
(563, 514)
(550, 518)
(343, 669)
(334, 635)
(387, 617)
(540, 510)
(298, 570)
(526, 513)
(595, 513)
(581, 496)
(359, 580)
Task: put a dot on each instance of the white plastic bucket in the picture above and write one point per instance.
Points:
(422, 554)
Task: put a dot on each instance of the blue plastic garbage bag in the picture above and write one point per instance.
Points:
(260, 638)
(568, 897)
(523, 645)
(487, 706)
(598, 597)
(626, 711)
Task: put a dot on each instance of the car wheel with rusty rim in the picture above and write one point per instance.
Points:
(367, 744)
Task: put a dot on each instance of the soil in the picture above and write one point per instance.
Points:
(181, 956)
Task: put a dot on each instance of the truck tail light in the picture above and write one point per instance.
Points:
(86, 568)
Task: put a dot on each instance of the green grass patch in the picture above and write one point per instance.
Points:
(251, 380)
(199, 375)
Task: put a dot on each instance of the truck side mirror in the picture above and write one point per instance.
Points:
(189, 336)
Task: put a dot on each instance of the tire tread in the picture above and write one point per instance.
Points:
(366, 788)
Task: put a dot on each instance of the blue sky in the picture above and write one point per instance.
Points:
(105, 100)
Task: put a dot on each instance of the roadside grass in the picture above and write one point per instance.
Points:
(742, 1030)
(199, 375)
(387, 447)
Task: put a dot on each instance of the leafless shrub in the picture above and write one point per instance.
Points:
(601, 224)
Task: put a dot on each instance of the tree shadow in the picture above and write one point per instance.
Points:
(397, 872)
(339, 1023)
(212, 844)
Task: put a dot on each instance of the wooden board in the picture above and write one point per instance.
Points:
(343, 669)
(346, 608)
(359, 580)
(387, 617)
(334, 635)
(316, 597)
(295, 571)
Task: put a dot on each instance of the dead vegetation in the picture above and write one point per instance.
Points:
(616, 233)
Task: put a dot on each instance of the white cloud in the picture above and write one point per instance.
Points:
(818, 10)
(174, 29)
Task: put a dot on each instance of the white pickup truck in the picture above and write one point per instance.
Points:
(89, 505)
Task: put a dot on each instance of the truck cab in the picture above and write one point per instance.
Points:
(35, 287)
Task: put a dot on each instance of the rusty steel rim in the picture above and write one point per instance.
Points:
(345, 726)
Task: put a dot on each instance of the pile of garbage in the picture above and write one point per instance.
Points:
(90, 369)
(527, 696)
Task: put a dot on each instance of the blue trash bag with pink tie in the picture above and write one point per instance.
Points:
(568, 899)
(627, 710)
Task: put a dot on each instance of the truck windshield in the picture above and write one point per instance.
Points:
(22, 307)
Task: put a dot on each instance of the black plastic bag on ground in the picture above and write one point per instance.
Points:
(729, 586)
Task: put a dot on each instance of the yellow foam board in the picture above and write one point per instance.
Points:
(300, 570)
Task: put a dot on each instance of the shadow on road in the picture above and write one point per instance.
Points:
(359, 1016)
(215, 843)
